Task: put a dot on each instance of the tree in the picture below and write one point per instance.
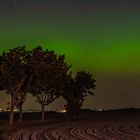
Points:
(24, 89)
(15, 76)
(76, 90)
(1, 74)
(48, 71)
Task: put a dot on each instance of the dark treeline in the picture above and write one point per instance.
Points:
(46, 76)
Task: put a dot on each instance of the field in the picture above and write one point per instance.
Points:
(106, 125)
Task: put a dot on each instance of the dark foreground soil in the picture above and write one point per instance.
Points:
(91, 125)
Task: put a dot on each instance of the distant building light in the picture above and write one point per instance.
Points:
(15, 110)
(31, 111)
(62, 110)
(100, 109)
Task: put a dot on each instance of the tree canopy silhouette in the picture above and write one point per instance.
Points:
(48, 76)
(77, 88)
(14, 76)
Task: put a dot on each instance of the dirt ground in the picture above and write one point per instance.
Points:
(107, 125)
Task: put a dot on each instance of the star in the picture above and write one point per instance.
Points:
(14, 2)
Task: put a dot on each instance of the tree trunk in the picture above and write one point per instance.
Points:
(11, 112)
(20, 113)
(43, 113)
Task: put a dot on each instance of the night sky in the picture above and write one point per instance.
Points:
(99, 36)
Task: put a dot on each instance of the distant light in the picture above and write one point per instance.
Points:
(15, 110)
(1, 109)
(62, 110)
(100, 109)
(31, 111)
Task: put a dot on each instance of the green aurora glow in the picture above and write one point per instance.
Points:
(101, 42)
